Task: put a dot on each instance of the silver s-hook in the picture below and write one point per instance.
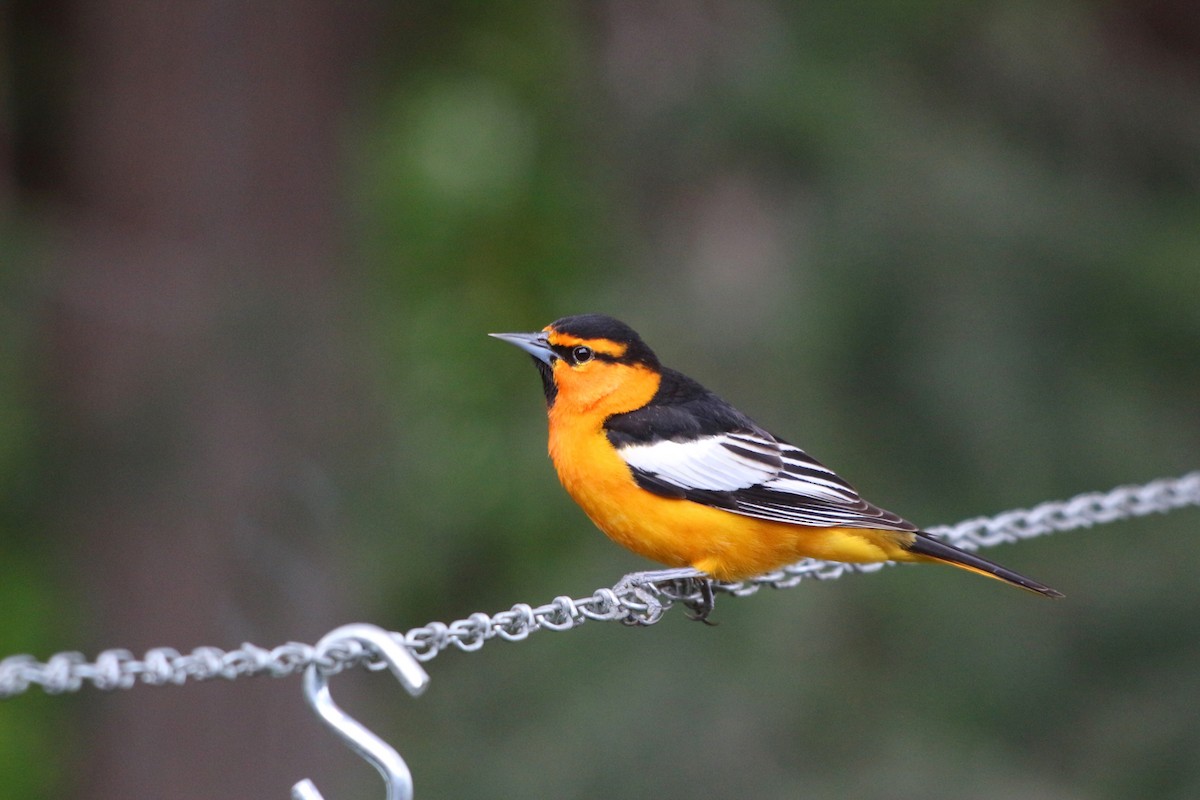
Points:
(398, 659)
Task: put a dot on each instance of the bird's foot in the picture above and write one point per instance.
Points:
(686, 585)
(702, 606)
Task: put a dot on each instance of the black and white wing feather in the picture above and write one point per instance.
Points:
(699, 448)
(756, 475)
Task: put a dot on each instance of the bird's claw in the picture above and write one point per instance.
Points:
(703, 606)
(672, 585)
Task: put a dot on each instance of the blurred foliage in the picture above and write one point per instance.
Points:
(951, 249)
(29, 594)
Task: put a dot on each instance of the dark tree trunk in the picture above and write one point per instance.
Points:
(196, 358)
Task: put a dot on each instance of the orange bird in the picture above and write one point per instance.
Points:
(674, 473)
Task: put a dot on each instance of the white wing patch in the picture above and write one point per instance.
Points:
(762, 477)
(708, 463)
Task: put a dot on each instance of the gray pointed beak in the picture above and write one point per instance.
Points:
(533, 343)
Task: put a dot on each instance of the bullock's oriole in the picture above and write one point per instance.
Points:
(674, 473)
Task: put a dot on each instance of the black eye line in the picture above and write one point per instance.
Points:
(567, 353)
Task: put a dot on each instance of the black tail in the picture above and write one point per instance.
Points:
(937, 550)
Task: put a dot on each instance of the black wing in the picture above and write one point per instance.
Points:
(690, 444)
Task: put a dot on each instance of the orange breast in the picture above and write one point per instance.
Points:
(679, 533)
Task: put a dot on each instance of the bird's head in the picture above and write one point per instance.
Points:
(591, 361)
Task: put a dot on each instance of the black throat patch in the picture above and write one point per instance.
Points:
(546, 371)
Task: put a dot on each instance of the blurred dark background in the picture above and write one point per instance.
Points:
(248, 256)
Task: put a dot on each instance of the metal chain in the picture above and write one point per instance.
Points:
(634, 605)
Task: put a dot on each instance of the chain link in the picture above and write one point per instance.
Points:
(636, 605)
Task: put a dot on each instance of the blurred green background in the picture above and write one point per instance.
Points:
(249, 257)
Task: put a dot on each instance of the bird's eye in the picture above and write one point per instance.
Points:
(581, 354)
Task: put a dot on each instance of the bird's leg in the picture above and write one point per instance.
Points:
(656, 576)
(645, 585)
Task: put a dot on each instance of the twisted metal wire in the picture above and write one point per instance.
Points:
(635, 605)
